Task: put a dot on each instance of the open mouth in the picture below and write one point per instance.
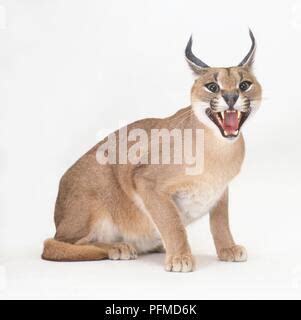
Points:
(229, 122)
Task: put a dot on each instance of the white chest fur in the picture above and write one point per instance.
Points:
(196, 203)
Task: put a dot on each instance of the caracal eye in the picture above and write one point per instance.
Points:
(213, 87)
(245, 85)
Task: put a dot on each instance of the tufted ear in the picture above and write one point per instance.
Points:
(197, 65)
(249, 58)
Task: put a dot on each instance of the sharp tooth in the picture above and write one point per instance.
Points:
(223, 114)
(239, 114)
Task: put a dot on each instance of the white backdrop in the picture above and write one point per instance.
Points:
(72, 71)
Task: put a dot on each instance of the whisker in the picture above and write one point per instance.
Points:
(265, 98)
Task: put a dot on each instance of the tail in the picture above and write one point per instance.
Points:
(55, 250)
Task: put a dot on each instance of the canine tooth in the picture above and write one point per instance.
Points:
(223, 115)
(239, 113)
(219, 121)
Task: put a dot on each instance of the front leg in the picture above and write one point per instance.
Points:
(225, 246)
(159, 206)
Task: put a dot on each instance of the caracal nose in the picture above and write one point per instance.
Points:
(230, 98)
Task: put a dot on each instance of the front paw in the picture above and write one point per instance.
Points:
(179, 263)
(233, 254)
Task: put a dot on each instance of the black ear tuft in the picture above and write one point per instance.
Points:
(248, 60)
(194, 63)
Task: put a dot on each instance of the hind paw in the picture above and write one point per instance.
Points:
(122, 251)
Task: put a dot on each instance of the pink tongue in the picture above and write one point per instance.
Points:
(230, 123)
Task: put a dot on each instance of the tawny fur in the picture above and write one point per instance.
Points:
(117, 211)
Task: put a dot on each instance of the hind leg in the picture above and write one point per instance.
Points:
(55, 250)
